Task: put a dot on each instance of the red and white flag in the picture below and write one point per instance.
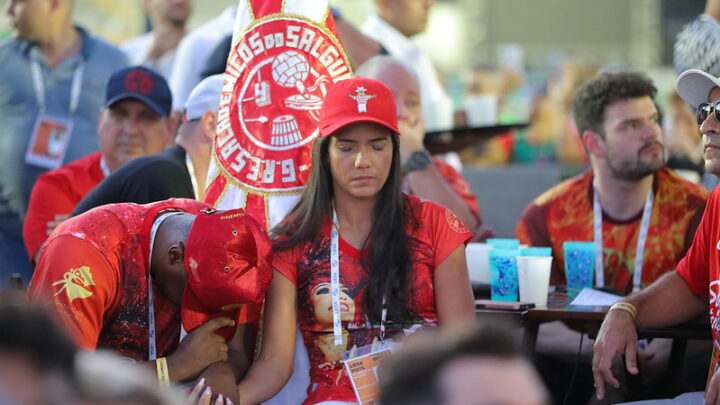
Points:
(284, 56)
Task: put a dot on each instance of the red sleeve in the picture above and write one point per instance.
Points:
(532, 227)
(459, 185)
(286, 263)
(47, 200)
(445, 230)
(78, 283)
(532, 230)
(694, 268)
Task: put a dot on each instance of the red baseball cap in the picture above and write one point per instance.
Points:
(357, 100)
(227, 261)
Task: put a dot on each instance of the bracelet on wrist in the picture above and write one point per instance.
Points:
(625, 306)
(163, 372)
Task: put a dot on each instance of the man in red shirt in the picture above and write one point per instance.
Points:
(640, 214)
(134, 121)
(438, 182)
(687, 292)
(122, 277)
(620, 129)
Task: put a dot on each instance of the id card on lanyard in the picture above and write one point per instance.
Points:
(362, 365)
(51, 133)
(639, 249)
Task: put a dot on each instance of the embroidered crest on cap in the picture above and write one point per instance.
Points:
(139, 81)
(361, 98)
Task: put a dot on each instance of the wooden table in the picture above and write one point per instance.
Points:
(589, 318)
(457, 139)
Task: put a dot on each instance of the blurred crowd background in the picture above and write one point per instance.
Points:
(526, 55)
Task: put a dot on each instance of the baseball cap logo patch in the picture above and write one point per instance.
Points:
(139, 81)
(361, 98)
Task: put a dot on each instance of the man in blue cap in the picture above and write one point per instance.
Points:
(134, 121)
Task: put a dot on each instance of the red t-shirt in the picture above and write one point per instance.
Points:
(459, 185)
(308, 266)
(565, 213)
(57, 192)
(93, 273)
(701, 265)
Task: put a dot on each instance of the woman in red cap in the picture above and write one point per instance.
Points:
(386, 260)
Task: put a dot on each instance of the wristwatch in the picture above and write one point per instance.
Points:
(418, 160)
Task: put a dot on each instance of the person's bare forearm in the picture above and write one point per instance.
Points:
(265, 378)
(667, 302)
(430, 185)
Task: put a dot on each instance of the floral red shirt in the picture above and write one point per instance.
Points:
(565, 213)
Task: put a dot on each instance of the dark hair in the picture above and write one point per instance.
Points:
(388, 260)
(594, 96)
(30, 332)
(409, 377)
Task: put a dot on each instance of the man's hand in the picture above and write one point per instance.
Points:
(411, 139)
(199, 349)
(221, 377)
(57, 221)
(617, 335)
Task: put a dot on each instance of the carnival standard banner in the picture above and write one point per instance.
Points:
(284, 56)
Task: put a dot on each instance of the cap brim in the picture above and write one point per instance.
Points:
(193, 314)
(694, 86)
(330, 129)
(138, 97)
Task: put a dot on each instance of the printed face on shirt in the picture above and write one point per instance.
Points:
(490, 381)
(633, 141)
(130, 129)
(710, 129)
(29, 17)
(360, 158)
(321, 300)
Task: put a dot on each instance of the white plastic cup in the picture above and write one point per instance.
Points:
(534, 279)
(481, 110)
(478, 262)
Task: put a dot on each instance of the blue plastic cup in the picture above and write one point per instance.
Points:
(536, 251)
(504, 274)
(579, 265)
(504, 243)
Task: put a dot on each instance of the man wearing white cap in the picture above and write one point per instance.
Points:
(695, 283)
(178, 171)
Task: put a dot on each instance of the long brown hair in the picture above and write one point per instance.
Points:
(389, 252)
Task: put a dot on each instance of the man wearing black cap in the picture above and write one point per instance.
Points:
(133, 122)
(687, 292)
(179, 171)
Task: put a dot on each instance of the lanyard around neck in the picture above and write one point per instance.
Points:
(639, 249)
(152, 344)
(335, 284)
(39, 86)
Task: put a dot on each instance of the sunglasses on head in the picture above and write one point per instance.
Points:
(704, 111)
